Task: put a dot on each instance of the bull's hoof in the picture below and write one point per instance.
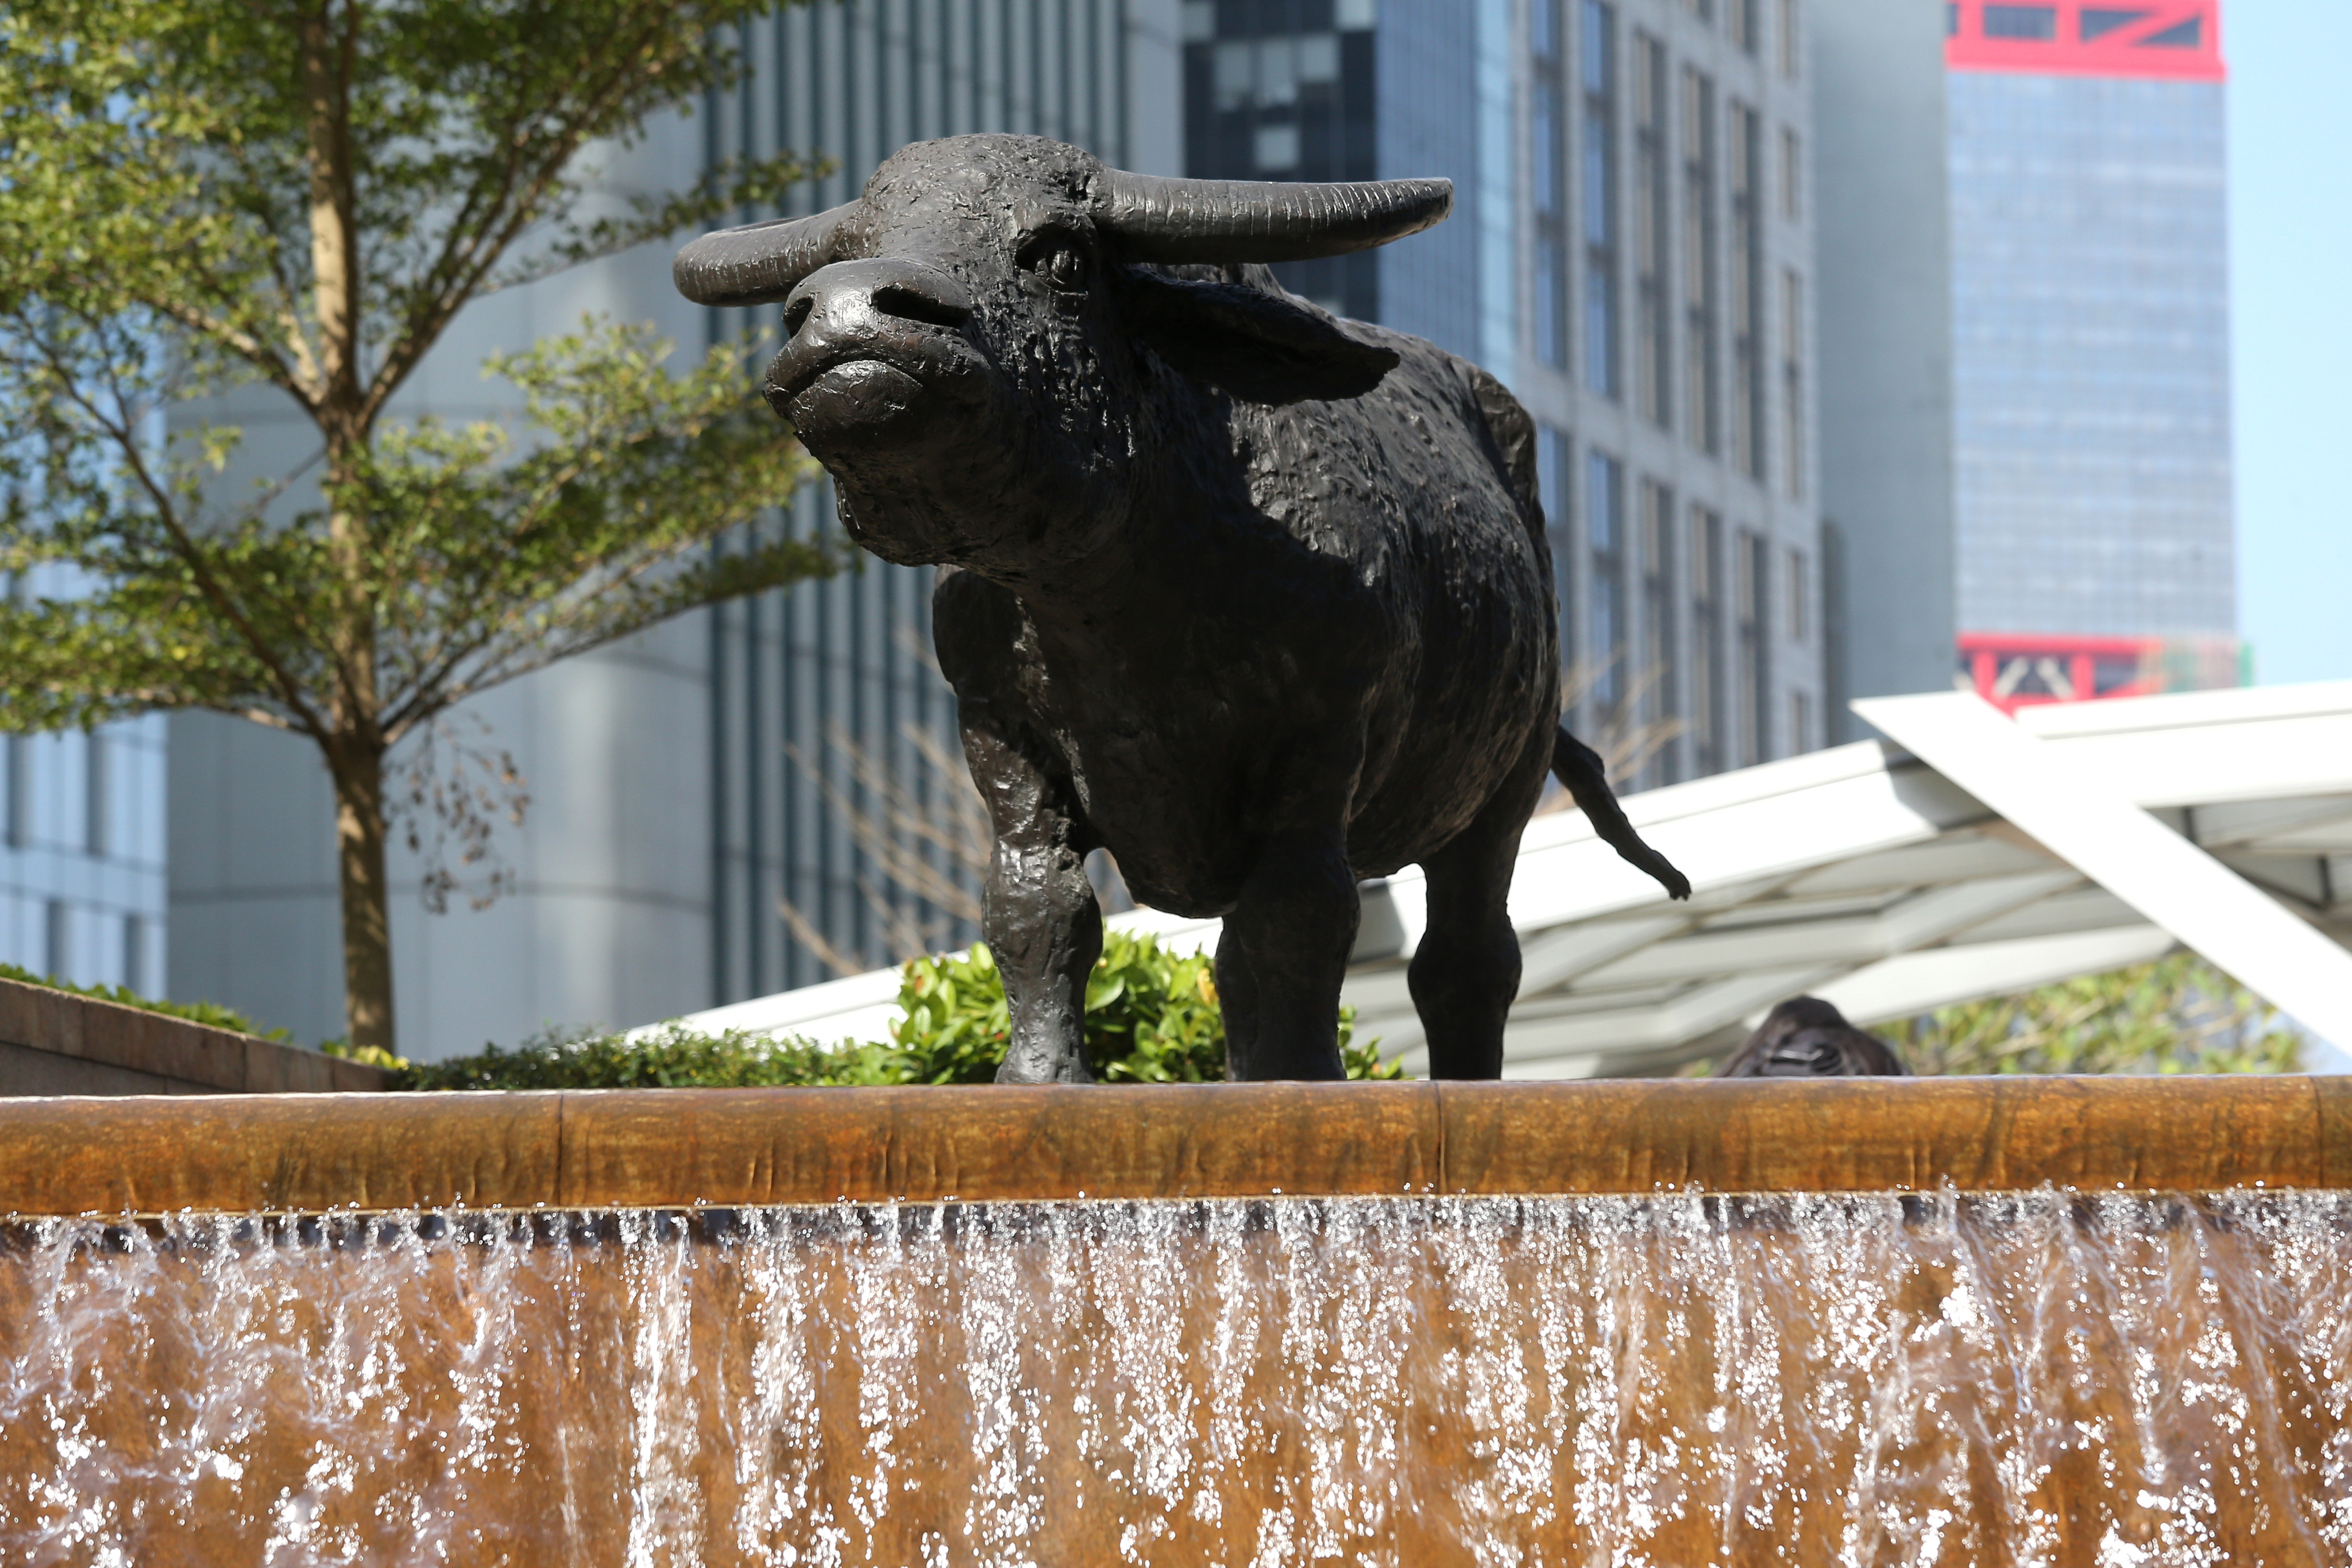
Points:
(1043, 1064)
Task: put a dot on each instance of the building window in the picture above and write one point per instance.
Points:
(1791, 43)
(1598, 45)
(1264, 99)
(1800, 722)
(2099, 21)
(1707, 716)
(1702, 9)
(1657, 677)
(1698, 266)
(1552, 490)
(20, 791)
(1747, 23)
(134, 956)
(2021, 21)
(1653, 353)
(59, 940)
(1604, 528)
(1792, 177)
(1751, 598)
(95, 793)
(1792, 382)
(1800, 595)
(1747, 294)
(1548, 96)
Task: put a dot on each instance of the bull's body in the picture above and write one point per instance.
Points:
(1349, 599)
(1259, 602)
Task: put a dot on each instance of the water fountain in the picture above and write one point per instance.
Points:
(2052, 1322)
(2056, 1320)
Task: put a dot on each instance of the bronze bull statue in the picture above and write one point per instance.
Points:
(1256, 598)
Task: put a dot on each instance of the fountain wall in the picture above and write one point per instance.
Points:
(2053, 1321)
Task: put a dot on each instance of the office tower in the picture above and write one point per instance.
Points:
(2091, 371)
(691, 784)
(1631, 251)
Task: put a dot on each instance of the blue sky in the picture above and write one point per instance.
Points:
(2290, 100)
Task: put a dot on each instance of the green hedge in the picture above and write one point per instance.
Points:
(1151, 1018)
(209, 1014)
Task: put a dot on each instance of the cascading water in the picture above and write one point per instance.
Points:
(2032, 1378)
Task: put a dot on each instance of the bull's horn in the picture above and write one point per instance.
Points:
(1221, 221)
(759, 263)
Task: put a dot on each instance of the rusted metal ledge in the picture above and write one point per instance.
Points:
(675, 1147)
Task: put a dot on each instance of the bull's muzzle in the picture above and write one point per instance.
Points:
(868, 343)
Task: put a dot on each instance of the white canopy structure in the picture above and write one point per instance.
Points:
(1966, 856)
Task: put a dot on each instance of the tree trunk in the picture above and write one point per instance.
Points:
(367, 902)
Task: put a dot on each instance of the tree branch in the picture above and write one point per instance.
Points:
(184, 546)
(457, 274)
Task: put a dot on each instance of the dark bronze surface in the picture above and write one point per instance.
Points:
(1258, 599)
(1808, 1038)
(677, 1148)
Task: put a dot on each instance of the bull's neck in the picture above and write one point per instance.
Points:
(1126, 572)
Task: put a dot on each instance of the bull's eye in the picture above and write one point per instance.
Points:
(1059, 260)
(1065, 269)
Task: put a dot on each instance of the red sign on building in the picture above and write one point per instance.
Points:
(2175, 39)
(2017, 669)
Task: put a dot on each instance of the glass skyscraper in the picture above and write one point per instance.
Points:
(2091, 374)
(1631, 251)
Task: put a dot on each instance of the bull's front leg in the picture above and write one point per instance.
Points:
(1041, 919)
(1040, 916)
(1282, 955)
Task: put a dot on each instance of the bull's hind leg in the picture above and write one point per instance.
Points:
(1282, 956)
(1466, 973)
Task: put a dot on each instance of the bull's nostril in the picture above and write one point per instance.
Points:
(905, 300)
(796, 312)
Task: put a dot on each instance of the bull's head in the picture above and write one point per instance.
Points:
(962, 341)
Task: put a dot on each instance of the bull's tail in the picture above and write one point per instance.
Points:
(1579, 767)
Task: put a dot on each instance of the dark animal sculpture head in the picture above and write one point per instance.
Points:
(1808, 1038)
(962, 340)
(1258, 599)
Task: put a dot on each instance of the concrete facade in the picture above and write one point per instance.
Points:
(1883, 239)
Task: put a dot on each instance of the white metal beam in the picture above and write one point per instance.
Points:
(2075, 812)
(1914, 983)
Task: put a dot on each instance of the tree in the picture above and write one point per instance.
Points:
(195, 193)
(2176, 1015)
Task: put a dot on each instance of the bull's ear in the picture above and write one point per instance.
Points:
(1260, 347)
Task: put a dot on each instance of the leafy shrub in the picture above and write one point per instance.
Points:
(1151, 1018)
(209, 1014)
(2178, 1014)
(671, 1058)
